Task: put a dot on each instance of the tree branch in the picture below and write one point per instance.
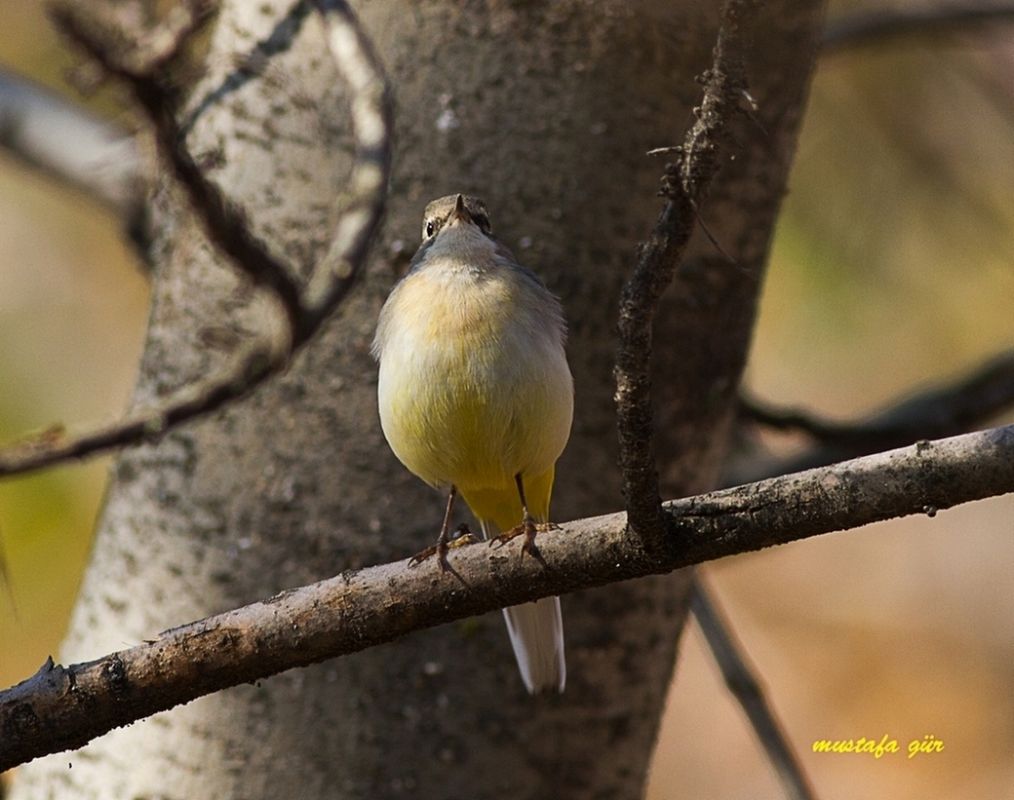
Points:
(870, 27)
(946, 410)
(684, 184)
(64, 707)
(366, 196)
(258, 362)
(746, 688)
(144, 71)
(227, 229)
(72, 145)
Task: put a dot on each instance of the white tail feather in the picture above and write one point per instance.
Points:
(536, 631)
(536, 634)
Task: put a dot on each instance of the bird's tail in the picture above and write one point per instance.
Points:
(536, 634)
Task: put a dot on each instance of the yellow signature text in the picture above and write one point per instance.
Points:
(878, 748)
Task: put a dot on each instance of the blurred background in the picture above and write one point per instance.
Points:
(893, 269)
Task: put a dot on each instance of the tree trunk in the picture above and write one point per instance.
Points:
(545, 110)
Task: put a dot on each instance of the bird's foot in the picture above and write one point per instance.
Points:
(528, 528)
(443, 546)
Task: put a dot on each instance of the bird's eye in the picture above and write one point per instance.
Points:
(430, 228)
(483, 222)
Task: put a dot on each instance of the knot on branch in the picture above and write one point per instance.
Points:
(114, 674)
(673, 184)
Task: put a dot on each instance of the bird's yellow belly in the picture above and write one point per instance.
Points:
(469, 397)
(456, 417)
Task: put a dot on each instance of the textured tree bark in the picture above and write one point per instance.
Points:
(545, 110)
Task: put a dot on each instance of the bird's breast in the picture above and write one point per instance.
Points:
(474, 384)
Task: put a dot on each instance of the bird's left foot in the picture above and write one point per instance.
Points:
(441, 548)
(528, 528)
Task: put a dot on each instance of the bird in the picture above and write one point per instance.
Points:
(476, 397)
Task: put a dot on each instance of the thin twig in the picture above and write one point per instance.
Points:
(226, 228)
(947, 410)
(745, 687)
(61, 708)
(873, 27)
(259, 362)
(684, 185)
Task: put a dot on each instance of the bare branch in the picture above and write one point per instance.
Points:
(259, 362)
(746, 688)
(65, 707)
(684, 184)
(226, 228)
(361, 68)
(947, 410)
(943, 411)
(69, 143)
(145, 74)
(873, 27)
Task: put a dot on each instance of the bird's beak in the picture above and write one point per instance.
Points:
(460, 212)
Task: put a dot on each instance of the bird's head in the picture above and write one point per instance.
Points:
(448, 212)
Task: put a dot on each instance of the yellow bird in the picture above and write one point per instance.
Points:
(476, 397)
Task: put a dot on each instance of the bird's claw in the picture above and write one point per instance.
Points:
(442, 547)
(528, 529)
(422, 555)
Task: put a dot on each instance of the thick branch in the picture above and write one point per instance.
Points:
(684, 184)
(61, 708)
(226, 227)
